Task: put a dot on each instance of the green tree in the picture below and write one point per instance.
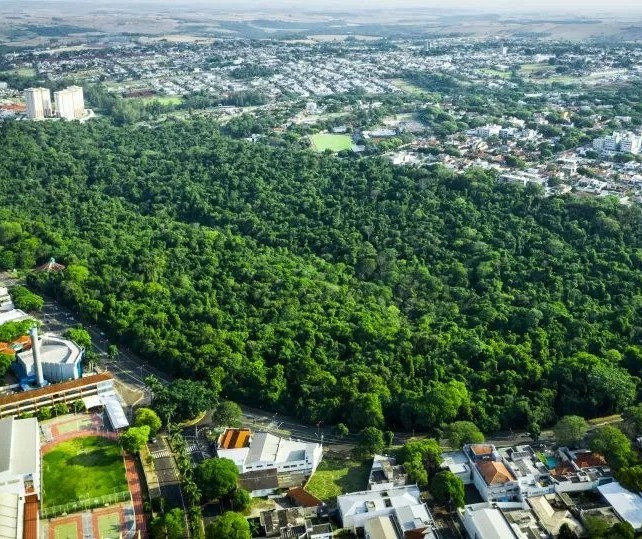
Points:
(371, 441)
(227, 414)
(416, 472)
(170, 525)
(240, 499)
(80, 336)
(229, 525)
(614, 445)
(633, 419)
(366, 411)
(134, 438)
(388, 437)
(426, 451)
(570, 430)
(447, 488)
(342, 430)
(146, 416)
(630, 477)
(112, 351)
(26, 300)
(216, 477)
(462, 432)
(5, 363)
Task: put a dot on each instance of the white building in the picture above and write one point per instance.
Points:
(19, 475)
(386, 473)
(38, 103)
(489, 130)
(70, 103)
(487, 523)
(263, 451)
(625, 142)
(626, 504)
(380, 528)
(402, 504)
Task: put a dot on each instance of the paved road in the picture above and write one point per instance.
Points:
(166, 472)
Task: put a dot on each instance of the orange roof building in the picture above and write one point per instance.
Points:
(235, 439)
(495, 473)
(590, 460)
(482, 449)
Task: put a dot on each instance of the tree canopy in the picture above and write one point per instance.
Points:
(229, 525)
(145, 416)
(134, 438)
(303, 282)
(216, 477)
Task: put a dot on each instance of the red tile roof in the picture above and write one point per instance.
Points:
(481, 449)
(302, 497)
(31, 517)
(495, 473)
(590, 460)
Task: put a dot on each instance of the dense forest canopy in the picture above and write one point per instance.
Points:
(351, 291)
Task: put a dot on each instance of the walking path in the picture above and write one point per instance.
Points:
(135, 482)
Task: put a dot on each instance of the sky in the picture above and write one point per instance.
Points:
(541, 7)
(576, 7)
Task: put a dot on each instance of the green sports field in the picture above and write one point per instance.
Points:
(326, 141)
(82, 468)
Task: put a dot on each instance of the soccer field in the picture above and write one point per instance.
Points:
(326, 141)
(82, 468)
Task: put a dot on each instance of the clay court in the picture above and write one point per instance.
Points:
(112, 519)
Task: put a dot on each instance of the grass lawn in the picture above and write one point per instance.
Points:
(407, 87)
(109, 525)
(162, 99)
(496, 72)
(326, 141)
(334, 477)
(82, 468)
(67, 531)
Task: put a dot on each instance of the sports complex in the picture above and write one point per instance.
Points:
(90, 488)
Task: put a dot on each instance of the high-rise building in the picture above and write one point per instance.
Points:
(38, 103)
(70, 103)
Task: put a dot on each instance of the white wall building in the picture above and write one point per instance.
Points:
(487, 523)
(263, 451)
(489, 130)
(625, 142)
(38, 103)
(402, 504)
(70, 103)
(19, 473)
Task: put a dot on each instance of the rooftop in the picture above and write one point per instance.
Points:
(19, 447)
(482, 449)
(489, 523)
(303, 498)
(495, 473)
(266, 447)
(53, 350)
(368, 501)
(626, 504)
(380, 528)
(235, 439)
(55, 388)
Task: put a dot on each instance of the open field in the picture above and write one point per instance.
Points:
(162, 99)
(336, 476)
(326, 141)
(406, 86)
(82, 468)
(22, 72)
